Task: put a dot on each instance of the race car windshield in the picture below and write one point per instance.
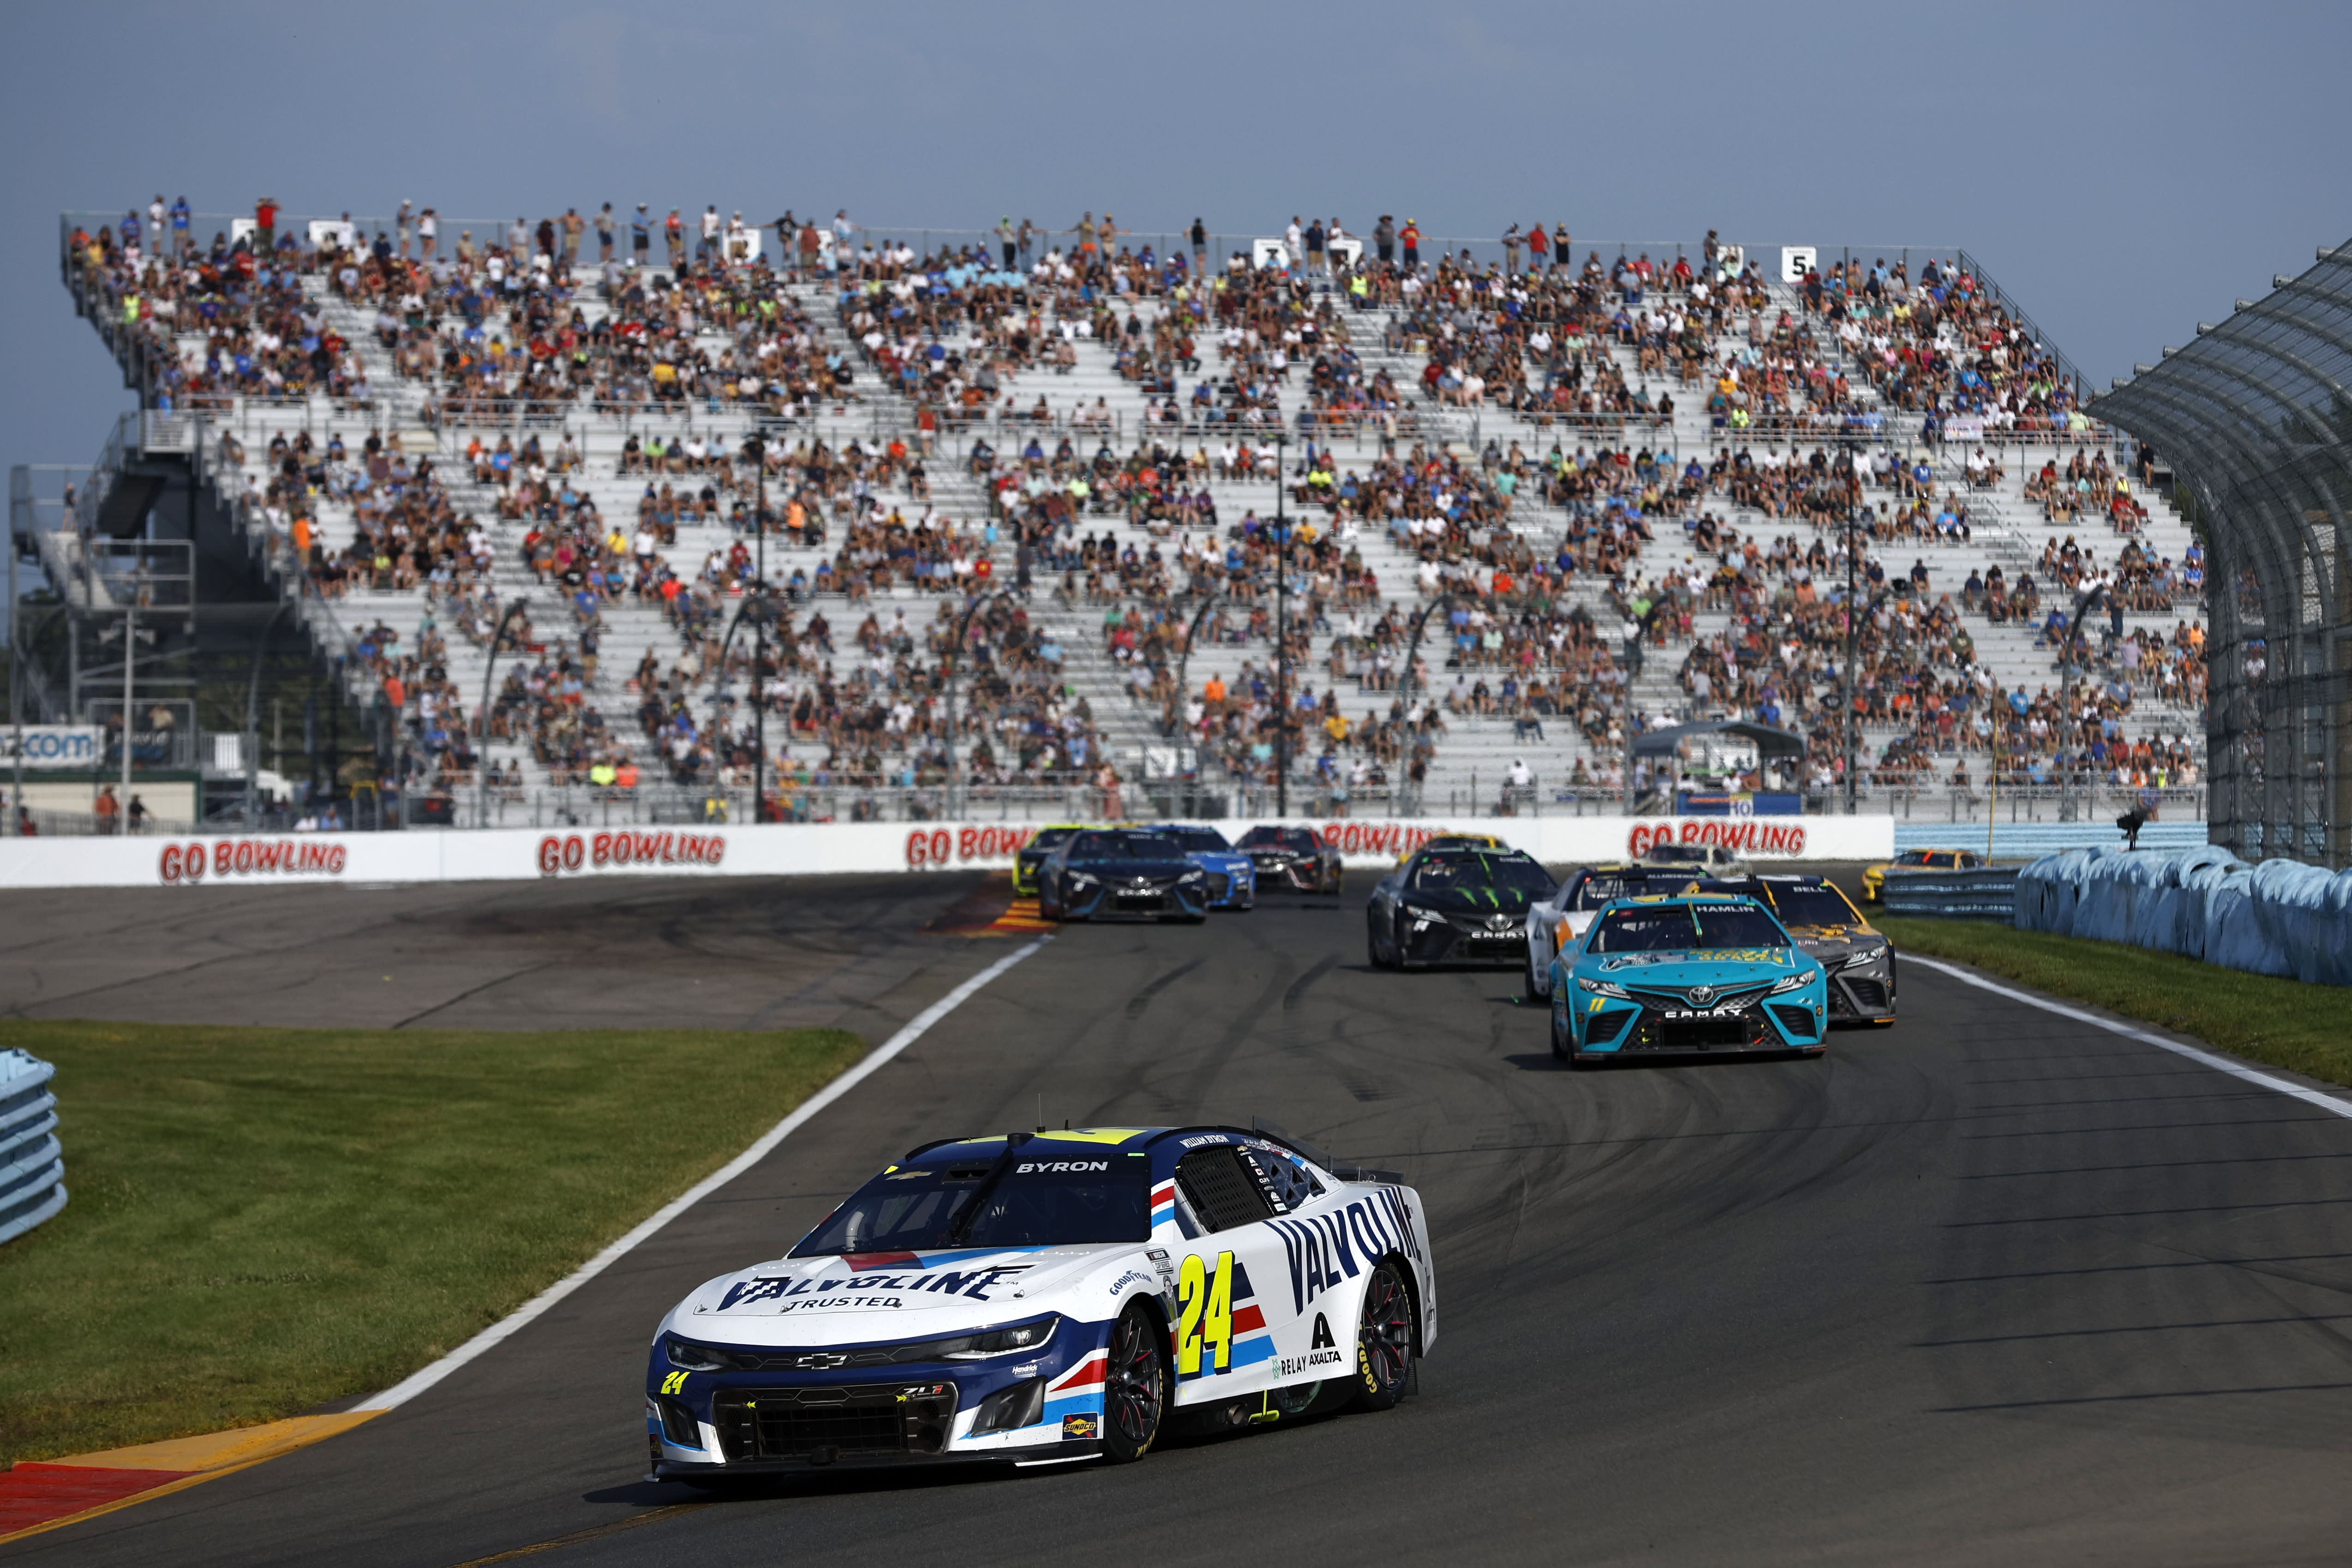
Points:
(1482, 873)
(1675, 854)
(1685, 928)
(1818, 905)
(1296, 838)
(1597, 892)
(1197, 841)
(1031, 1203)
(1091, 848)
(1047, 838)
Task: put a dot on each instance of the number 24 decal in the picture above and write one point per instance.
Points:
(1206, 1317)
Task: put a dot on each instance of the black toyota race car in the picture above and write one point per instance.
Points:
(1859, 959)
(1291, 859)
(1454, 905)
(1100, 873)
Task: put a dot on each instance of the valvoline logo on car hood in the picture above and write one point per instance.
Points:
(855, 1298)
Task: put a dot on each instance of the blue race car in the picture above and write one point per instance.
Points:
(1699, 974)
(1233, 878)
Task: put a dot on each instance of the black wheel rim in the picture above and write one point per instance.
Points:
(1387, 1331)
(1132, 1381)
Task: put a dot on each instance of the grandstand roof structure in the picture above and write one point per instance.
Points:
(2255, 417)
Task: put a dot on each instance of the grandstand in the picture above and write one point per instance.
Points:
(514, 495)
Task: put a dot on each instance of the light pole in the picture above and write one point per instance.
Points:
(1846, 716)
(253, 715)
(1625, 688)
(16, 699)
(758, 447)
(1281, 628)
(482, 715)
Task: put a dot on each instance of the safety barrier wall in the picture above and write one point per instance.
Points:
(32, 1163)
(2280, 916)
(1987, 894)
(821, 848)
(2032, 840)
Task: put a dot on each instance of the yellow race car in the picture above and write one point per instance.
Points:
(1873, 877)
(1032, 854)
(1455, 841)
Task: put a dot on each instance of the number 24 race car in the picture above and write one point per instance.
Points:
(1036, 1299)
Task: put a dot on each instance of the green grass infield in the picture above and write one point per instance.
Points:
(2259, 1016)
(264, 1220)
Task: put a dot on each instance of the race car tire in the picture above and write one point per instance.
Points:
(1562, 1048)
(1383, 1339)
(1135, 1386)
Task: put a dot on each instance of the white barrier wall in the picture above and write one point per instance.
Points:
(800, 850)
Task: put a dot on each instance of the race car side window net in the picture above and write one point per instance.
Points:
(1221, 1191)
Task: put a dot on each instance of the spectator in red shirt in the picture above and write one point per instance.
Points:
(265, 219)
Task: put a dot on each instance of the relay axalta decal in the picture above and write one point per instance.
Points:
(186, 863)
(558, 853)
(958, 846)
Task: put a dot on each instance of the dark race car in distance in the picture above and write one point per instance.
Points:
(1856, 956)
(1232, 879)
(1042, 843)
(1454, 905)
(1100, 873)
(1291, 859)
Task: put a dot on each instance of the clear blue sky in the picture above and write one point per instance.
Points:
(2124, 170)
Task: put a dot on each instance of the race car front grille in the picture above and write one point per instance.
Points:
(849, 1421)
(1701, 1034)
(1870, 994)
(1798, 1022)
(1607, 1027)
(1219, 884)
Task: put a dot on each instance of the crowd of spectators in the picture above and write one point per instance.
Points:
(519, 321)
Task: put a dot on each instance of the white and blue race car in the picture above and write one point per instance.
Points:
(1233, 876)
(1037, 1299)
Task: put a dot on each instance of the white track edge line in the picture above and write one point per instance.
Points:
(418, 1381)
(2214, 1059)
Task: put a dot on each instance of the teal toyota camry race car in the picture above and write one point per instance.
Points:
(1038, 1299)
(1697, 974)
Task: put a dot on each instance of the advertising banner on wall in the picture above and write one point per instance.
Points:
(796, 849)
(54, 746)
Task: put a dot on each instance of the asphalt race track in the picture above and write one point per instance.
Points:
(1989, 1286)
